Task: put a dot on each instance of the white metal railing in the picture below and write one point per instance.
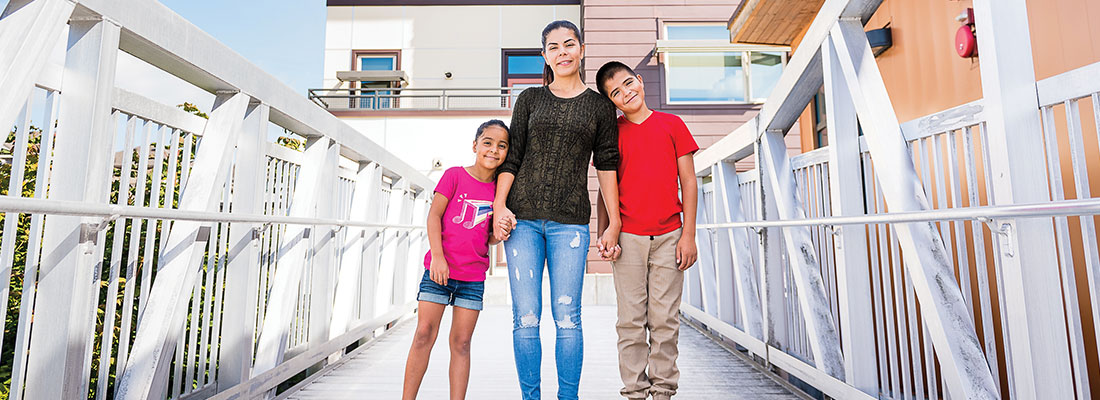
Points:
(157, 254)
(415, 99)
(944, 257)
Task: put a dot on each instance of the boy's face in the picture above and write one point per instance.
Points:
(626, 91)
(491, 147)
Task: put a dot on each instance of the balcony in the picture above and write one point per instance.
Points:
(415, 99)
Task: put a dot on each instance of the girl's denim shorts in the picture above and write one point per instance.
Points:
(456, 293)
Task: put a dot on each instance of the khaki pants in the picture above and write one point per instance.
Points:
(648, 287)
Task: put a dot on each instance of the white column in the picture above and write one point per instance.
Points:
(850, 241)
(30, 30)
(242, 273)
(350, 282)
(61, 335)
(147, 368)
(728, 193)
(283, 293)
(942, 308)
(324, 245)
(1036, 318)
(821, 330)
(372, 239)
(772, 292)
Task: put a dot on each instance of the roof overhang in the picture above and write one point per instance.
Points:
(372, 76)
(771, 22)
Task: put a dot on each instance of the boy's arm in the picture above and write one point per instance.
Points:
(686, 252)
(601, 213)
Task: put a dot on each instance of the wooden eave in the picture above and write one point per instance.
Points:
(771, 22)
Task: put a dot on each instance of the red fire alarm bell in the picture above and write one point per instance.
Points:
(966, 45)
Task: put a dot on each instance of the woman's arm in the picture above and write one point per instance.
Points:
(503, 218)
(605, 157)
(440, 271)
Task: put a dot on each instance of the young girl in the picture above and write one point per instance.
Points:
(459, 233)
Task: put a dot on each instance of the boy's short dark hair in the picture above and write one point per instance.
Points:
(607, 71)
(493, 122)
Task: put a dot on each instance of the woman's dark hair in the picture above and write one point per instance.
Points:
(493, 122)
(547, 73)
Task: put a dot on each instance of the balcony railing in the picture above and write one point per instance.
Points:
(415, 99)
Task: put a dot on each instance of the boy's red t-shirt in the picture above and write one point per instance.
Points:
(649, 200)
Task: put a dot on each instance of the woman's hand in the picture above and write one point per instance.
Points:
(608, 243)
(686, 252)
(503, 222)
(440, 271)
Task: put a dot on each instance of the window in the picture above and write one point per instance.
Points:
(702, 67)
(521, 67)
(376, 61)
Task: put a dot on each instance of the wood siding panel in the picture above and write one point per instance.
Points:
(627, 31)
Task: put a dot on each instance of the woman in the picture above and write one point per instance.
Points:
(556, 129)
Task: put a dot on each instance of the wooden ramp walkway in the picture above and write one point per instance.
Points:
(708, 370)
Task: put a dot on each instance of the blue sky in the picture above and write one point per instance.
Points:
(284, 37)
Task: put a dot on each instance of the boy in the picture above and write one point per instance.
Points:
(655, 150)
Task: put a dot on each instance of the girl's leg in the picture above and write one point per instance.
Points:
(526, 252)
(462, 329)
(567, 253)
(427, 327)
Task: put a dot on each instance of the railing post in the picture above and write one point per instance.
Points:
(402, 267)
(242, 273)
(692, 284)
(30, 29)
(146, 372)
(417, 242)
(371, 182)
(323, 266)
(772, 293)
(943, 312)
(728, 195)
(392, 264)
(850, 241)
(295, 245)
(820, 327)
(353, 264)
(723, 248)
(72, 247)
(1036, 318)
(705, 274)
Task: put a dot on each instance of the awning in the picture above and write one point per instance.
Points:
(372, 76)
(711, 46)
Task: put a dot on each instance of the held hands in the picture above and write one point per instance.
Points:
(608, 244)
(686, 252)
(503, 223)
(440, 271)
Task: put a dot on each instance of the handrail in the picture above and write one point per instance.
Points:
(1089, 206)
(25, 205)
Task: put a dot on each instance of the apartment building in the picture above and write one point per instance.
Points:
(418, 76)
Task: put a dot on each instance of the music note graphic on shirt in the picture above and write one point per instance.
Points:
(482, 209)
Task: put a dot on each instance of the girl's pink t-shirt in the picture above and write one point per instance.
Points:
(466, 224)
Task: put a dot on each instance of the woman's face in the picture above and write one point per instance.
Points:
(563, 52)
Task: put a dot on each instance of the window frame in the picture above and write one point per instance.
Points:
(357, 55)
(746, 65)
(505, 77)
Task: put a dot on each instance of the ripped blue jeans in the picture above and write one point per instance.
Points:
(563, 248)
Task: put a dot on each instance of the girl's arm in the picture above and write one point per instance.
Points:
(686, 252)
(440, 271)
